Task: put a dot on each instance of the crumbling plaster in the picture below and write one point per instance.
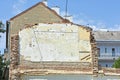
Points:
(55, 42)
(66, 47)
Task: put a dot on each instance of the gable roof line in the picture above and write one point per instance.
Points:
(40, 3)
(25, 11)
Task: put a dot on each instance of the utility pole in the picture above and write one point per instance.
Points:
(66, 11)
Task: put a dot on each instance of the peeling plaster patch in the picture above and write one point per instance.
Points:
(52, 42)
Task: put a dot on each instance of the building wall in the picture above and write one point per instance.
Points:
(106, 57)
(62, 45)
(2, 42)
(106, 63)
(109, 47)
(37, 14)
(55, 42)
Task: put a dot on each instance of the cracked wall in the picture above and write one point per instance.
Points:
(55, 42)
(60, 48)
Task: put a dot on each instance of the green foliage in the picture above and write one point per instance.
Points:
(2, 30)
(117, 63)
(2, 27)
(3, 68)
(2, 64)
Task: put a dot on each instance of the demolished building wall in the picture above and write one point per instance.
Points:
(53, 48)
(72, 41)
(55, 42)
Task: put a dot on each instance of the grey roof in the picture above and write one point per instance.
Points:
(107, 35)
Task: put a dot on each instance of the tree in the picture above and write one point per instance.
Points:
(117, 63)
(2, 64)
(2, 27)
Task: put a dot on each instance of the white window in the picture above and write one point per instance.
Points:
(106, 65)
(105, 50)
(113, 52)
(99, 52)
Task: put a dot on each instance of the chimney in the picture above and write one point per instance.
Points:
(45, 2)
(70, 18)
(56, 9)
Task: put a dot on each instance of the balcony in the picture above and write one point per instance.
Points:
(108, 57)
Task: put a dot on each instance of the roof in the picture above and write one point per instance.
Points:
(107, 35)
(63, 20)
(40, 3)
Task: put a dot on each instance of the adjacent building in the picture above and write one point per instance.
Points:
(108, 43)
(2, 38)
(2, 42)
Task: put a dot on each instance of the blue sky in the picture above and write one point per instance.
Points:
(95, 13)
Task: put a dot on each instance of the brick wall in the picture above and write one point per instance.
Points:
(38, 14)
(14, 56)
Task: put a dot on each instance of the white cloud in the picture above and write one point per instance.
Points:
(17, 6)
(63, 13)
(101, 25)
(82, 19)
(93, 27)
(116, 27)
(94, 24)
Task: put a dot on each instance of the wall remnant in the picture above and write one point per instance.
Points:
(14, 57)
(71, 45)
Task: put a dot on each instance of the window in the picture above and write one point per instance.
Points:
(113, 52)
(99, 52)
(105, 50)
(106, 65)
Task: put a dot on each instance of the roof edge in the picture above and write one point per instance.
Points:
(63, 20)
(26, 10)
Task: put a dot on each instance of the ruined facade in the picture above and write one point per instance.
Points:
(41, 43)
(36, 14)
(39, 13)
(53, 49)
(55, 42)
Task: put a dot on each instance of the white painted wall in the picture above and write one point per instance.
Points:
(109, 49)
(52, 42)
(2, 42)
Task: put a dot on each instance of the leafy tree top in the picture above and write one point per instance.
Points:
(2, 27)
(117, 63)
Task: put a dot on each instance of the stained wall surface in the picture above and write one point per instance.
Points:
(55, 42)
